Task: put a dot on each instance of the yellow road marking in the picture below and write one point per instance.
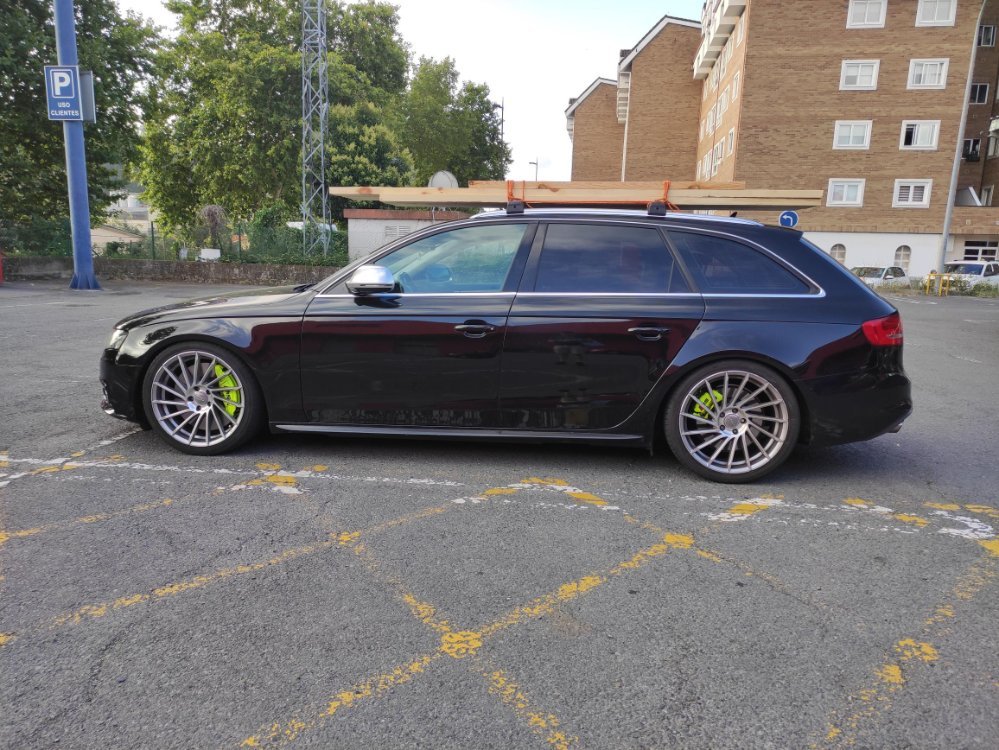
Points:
(991, 546)
(543, 724)
(908, 654)
(910, 518)
(94, 518)
(6, 638)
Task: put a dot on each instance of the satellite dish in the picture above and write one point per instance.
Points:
(443, 179)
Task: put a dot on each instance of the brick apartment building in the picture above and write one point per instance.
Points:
(861, 98)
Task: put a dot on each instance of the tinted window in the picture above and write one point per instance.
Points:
(722, 266)
(473, 259)
(593, 258)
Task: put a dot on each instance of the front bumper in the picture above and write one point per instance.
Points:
(120, 389)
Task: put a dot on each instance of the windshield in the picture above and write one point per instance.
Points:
(867, 272)
(972, 269)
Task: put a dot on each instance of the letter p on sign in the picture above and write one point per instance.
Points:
(61, 83)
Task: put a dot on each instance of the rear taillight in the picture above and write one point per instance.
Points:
(884, 331)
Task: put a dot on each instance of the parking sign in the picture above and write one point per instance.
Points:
(62, 87)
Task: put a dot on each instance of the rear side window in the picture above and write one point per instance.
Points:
(722, 266)
(594, 258)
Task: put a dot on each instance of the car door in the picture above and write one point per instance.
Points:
(602, 311)
(428, 353)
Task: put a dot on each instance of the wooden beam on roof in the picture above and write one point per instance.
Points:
(606, 185)
(687, 198)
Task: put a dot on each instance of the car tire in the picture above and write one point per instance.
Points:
(201, 399)
(732, 421)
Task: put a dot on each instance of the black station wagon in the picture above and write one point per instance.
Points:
(734, 339)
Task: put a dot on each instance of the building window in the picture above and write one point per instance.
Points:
(986, 36)
(852, 134)
(993, 147)
(979, 93)
(719, 154)
(919, 135)
(859, 75)
(987, 195)
(983, 250)
(838, 253)
(736, 80)
(936, 13)
(697, 177)
(912, 194)
(740, 31)
(866, 14)
(972, 150)
(928, 74)
(723, 101)
(903, 254)
(706, 166)
(731, 142)
(845, 193)
(710, 127)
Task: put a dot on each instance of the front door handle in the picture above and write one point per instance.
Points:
(648, 333)
(475, 330)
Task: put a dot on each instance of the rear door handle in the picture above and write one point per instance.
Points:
(648, 333)
(474, 330)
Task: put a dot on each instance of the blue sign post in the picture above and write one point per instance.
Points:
(788, 219)
(62, 82)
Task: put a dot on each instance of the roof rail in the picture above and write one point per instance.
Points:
(515, 207)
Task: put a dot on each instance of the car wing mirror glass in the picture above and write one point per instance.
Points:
(371, 280)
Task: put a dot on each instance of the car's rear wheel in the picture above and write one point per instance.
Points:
(201, 399)
(732, 421)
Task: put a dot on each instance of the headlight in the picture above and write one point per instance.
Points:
(117, 339)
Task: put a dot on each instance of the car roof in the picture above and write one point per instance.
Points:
(613, 213)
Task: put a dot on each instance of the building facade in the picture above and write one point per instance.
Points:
(863, 99)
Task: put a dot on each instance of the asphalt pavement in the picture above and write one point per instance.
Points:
(355, 593)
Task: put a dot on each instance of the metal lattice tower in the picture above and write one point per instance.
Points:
(315, 115)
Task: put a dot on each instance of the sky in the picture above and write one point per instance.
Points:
(533, 54)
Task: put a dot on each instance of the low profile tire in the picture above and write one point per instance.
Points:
(732, 421)
(201, 399)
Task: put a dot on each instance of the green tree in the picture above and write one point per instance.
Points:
(118, 49)
(451, 126)
(226, 128)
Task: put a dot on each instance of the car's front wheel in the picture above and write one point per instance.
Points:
(201, 399)
(732, 421)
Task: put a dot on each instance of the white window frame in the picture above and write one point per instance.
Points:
(965, 151)
(925, 203)
(718, 157)
(845, 182)
(878, 24)
(944, 63)
(925, 4)
(736, 80)
(984, 100)
(697, 177)
(730, 145)
(740, 31)
(706, 165)
(992, 148)
(723, 101)
(935, 129)
(990, 34)
(868, 127)
(858, 87)
(838, 253)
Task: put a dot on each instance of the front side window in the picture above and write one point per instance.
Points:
(866, 14)
(936, 13)
(471, 259)
(928, 74)
(723, 266)
(610, 259)
(859, 75)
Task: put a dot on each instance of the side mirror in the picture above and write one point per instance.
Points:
(371, 280)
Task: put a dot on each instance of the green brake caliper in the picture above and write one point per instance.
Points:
(705, 398)
(228, 382)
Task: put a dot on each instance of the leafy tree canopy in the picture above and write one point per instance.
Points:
(118, 49)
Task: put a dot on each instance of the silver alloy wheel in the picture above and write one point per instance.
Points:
(197, 398)
(733, 422)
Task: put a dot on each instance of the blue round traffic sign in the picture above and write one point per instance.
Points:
(789, 219)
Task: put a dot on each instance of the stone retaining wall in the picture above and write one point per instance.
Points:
(21, 268)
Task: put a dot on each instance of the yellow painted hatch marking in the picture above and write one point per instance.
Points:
(542, 723)
(94, 518)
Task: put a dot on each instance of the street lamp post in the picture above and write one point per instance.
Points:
(535, 163)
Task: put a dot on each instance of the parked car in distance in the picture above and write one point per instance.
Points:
(875, 276)
(736, 341)
(974, 271)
